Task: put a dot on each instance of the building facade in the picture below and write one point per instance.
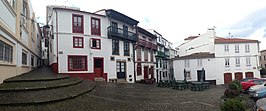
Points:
(220, 59)
(20, 39)
(146, 48)
(91, 45)
(162, 57)
(263, 59)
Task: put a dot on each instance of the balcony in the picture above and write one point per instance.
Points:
(161, 54)
(118, 33)
(144, 43)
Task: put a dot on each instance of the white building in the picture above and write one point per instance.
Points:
(20, 48)
(223, 59)
(91, 45)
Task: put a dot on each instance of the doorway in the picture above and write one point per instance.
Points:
(121, 70)
(98, 67)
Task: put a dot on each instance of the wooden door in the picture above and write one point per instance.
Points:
(238, 76)
(249, 74)
(227, 78)
(146, 76)
(98, 67)
(121, 70)
(152, 71)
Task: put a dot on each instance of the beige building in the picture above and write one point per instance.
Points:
(263, 58)
(20, 38)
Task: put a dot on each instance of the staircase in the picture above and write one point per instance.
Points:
(41, 86)
(99, 79)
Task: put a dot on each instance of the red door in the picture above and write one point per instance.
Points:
(249, 74)
(152, 72)
(238, 76)
(227, 78)
(146, 72)
(98, 67)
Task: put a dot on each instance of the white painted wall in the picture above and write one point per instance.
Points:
(203, 43)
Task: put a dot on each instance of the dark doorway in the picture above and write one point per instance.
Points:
(121, 70)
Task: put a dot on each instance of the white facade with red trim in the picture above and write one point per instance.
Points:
(233, 58)
(75, 53)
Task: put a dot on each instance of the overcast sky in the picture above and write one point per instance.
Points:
(178, 19)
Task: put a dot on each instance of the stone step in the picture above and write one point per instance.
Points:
(36, 78)
(38, 85)
(99, 79)
(47, 95)
(121, 81)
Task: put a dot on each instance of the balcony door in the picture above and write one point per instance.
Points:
(125, 31)
(114, 27)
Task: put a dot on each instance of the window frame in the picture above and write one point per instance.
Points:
(227, 62)
(82, 24)
(126, 48)
(237, 48)
(186, 63)
(247, 49)
(77, 56)
(115, 47)
(199, 62)
(24, 60)
(248, 63)
(99, 26)
(32, 61)
(237, 62)
(95, 39)
(78, 38)
(6, 52)
(226, 48)
(139, 69)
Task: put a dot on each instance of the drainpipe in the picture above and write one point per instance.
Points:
(134, 55)
(57, 41)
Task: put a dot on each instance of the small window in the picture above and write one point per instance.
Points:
(95, 43)
(188, 75)
(248, 62)
(32, 60)
(237, 48)
(77, 23)
(237, 62)
(226, 48)
(24, 58)
(247, 48)
(77, 63)
(95, 26)
(77, 42)
(227, 63)
(112, 58)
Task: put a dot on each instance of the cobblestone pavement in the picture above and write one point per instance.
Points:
(132, 97)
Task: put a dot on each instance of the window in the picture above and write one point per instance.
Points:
(248, 61)
(247, 48)
(115, 47)
(6, 52)
(77, 63)
(138, 54)
(139, 69)
(226, 48)
(186, 63)
(264, 57)
(12, 3)
(188, 75)
(24, 13)
(199, 62)
(95, 43)
(145, 54)
(95, 26)
(32, 60)
(165, 64)
(77, 42)
(126, 48)
(166, 74)
(227, 63)
(151, 56)
(125, 31)
(237, 62)
(24, 58)
(77, 23)
(157, 63)
(237, 48)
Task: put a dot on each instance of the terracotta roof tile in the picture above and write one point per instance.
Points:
(197, 56)
(220, 40)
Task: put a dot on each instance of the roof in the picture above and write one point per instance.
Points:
(75, 10)
(143, 31)
(220, 40)
(191, 37)
(121, 17)
(197, 56)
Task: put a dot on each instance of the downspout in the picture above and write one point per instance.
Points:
(57, 41)
(134, 66)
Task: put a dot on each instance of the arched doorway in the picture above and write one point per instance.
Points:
(227, 78)
(238, 76)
